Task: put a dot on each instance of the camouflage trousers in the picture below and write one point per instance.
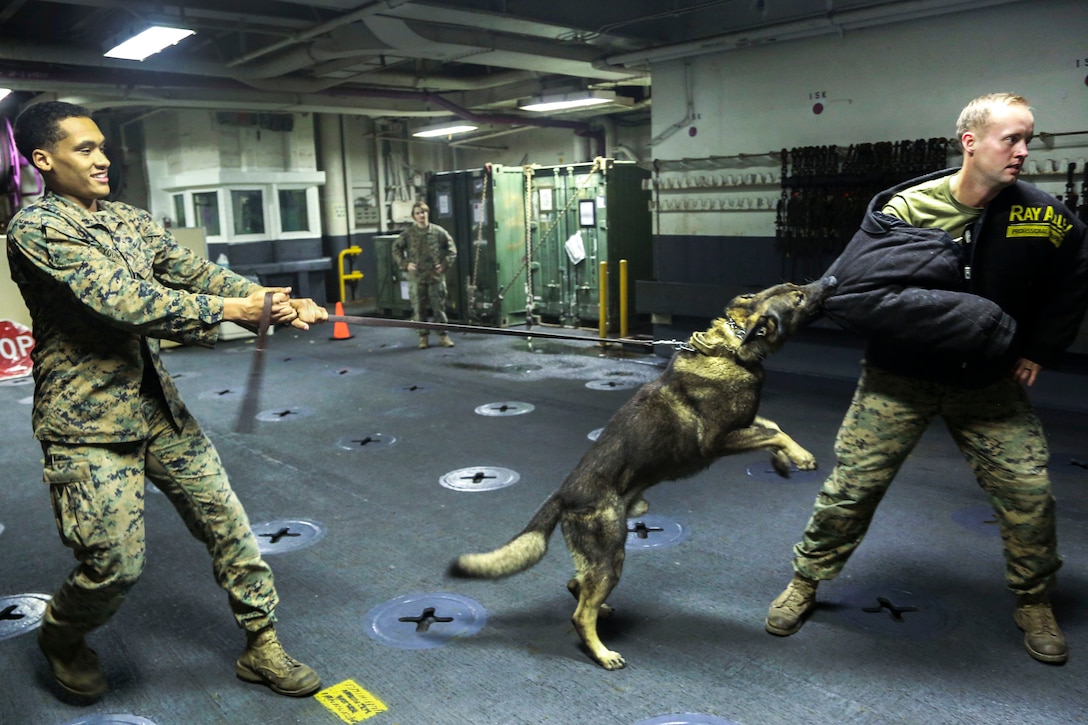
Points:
(998, 433)
(98, 494)
(424, 293)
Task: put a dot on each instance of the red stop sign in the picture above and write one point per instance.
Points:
(16, 342)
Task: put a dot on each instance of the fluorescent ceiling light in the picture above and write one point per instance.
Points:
(445, 129)
(149, 42)
(567, 101)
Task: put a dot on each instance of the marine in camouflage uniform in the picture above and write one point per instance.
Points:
(1018, 251)
(424, 252)
(104, 283)
(999, 435)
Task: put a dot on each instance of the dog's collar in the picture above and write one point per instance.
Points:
(737, 329)
(698, 342)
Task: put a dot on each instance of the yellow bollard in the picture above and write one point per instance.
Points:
(345, 276)
(623, 298)
(602, 300)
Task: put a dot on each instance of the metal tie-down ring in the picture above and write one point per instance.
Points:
(508, 408)
(480, 478)
(654, 532)
(366, 442)
(21, 613)
(896, 611)
(221, 394)
(425, 620)
(613, 384)
(279, 415)
(284, 535)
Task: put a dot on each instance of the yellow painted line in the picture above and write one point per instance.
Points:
(350, 702)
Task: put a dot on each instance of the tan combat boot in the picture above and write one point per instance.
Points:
(444, 340)
(265, 662)
(788, 610)
(74, 664)
(423, 342)
(1042, 638)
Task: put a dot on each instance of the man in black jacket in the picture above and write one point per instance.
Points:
(966, 283)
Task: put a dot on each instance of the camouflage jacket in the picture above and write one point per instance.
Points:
(102, 289)
(427, 248)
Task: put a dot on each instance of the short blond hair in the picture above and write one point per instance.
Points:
(975, 116)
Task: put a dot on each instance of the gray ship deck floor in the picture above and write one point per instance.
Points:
(689, 616)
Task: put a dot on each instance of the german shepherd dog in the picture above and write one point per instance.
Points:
(703, 406)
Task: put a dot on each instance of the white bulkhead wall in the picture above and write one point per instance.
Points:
(902, 81)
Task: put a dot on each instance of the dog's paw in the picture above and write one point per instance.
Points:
(638, 508)
(804, 461)
(784, 462)
(605, 611)
(612, 661)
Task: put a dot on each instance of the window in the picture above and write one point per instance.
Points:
(206, 208)
(256, 211)
(248, 208)
(294, 213)
(179, 210)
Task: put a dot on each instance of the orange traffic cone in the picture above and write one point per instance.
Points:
(340, 330)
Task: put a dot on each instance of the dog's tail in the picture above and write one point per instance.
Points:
(522, 552)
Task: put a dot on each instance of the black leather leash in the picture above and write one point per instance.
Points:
(248, 413)
(452, 327)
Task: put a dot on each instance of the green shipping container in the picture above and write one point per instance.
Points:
(573, 216)
(579, 216)
(484, 213)
(392, 289)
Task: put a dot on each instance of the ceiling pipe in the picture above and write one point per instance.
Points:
(66, 55)
(131, 89)
(830, 23)
(403, 79)
(471, 45)
(477, 138)
(262, 76)
(295, 59)
(395, 79)
(376, 30)
(316, 30)
(224, 93)
(378, 35)
(181, 77)
(580, 128)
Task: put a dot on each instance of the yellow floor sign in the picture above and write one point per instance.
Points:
(350, 702)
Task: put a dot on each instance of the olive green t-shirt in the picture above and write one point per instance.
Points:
(932, 205)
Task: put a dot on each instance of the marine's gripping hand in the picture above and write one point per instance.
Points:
(307, 312)
(298, 313)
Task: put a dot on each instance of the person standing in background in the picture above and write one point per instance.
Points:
(425, 251)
